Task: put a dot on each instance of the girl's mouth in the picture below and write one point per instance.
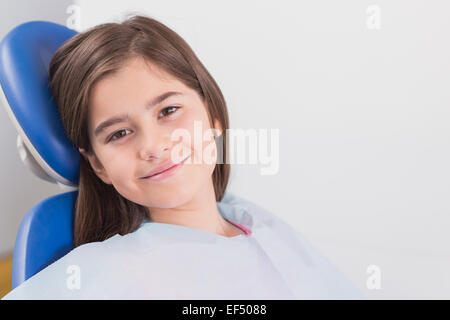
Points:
(166, 173)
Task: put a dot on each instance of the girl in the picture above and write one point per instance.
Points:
(153, 219)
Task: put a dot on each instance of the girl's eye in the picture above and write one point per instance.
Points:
(170, 108)
(115, 135)
(122, 130)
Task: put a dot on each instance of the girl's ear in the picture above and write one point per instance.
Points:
(96, 165)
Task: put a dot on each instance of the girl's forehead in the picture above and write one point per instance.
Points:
(146, 67)
(133, 82)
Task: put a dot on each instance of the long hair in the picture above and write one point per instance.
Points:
(84, 59)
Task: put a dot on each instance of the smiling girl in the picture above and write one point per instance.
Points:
(153, 219)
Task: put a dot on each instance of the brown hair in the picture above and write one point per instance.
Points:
(84, 59)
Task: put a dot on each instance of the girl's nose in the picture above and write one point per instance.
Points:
(155, 144)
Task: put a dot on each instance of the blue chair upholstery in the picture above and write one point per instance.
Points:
(46, 231)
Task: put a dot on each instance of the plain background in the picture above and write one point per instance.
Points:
(363, 116)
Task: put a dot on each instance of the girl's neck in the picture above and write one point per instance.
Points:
(200, 212)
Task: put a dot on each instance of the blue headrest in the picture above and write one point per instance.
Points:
(25, 55)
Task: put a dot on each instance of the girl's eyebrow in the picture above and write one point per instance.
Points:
(124, 117)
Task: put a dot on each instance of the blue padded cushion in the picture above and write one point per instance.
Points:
(45, 235)
(25, 55)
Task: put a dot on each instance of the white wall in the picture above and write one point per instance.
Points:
(363, 116)
(19, 188)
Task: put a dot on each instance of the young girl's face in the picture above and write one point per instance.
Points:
(126, 151)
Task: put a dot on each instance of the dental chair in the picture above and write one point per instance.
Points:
(46, 232)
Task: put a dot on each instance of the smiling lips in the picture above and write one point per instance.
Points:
(165, 169)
